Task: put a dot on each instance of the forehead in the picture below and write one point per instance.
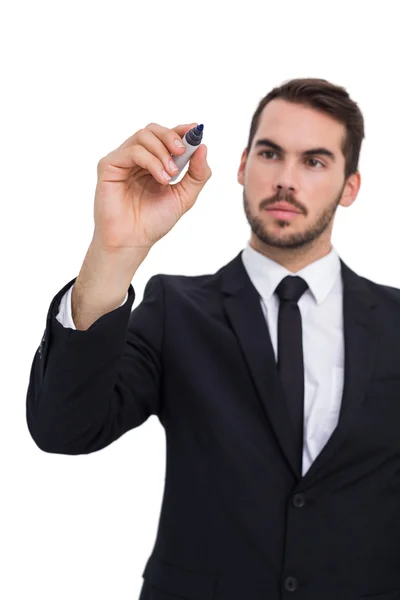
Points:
(298, 127)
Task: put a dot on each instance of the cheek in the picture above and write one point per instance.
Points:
(259, 179)
(258, 171)
(317, 185)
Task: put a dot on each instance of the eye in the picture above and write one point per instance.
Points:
(318, 161)
(309, 159)
(266, 152)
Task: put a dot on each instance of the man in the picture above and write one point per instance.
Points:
(277, 380)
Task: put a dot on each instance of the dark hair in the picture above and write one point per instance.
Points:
(325, 97)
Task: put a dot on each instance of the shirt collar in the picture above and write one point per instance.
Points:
(266, 274)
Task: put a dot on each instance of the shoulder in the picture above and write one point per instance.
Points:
(383, 291)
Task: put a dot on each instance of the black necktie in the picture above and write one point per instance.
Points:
(290, 353)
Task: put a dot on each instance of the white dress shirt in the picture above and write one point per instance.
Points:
(323, 340)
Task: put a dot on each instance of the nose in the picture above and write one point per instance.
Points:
(284, 193)
(285, 182)
(285, 188)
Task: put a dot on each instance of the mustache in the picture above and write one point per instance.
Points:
(282, 198)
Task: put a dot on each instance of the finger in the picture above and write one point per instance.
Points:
(155, 146)
(169, 137)
(194, 179)
(182, 129)
(179, 129)
(116, 165)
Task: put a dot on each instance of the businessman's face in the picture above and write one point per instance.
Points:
(278, 170)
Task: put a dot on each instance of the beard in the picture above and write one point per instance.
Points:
(297, 239)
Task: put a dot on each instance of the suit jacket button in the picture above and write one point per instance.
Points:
(291, 584)
(299, 500)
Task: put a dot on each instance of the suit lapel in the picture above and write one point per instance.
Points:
(360, 337)
(243, 309)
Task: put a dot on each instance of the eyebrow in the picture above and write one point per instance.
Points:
(269, 143)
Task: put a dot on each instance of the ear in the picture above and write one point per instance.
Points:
(351, 189)
(242, 166)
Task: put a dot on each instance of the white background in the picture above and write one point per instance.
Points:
(77, 79)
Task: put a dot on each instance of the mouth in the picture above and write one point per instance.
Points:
(283, 213)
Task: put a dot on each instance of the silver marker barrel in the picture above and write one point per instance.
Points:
(192, 140)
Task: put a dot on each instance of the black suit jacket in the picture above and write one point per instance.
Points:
(238, 522)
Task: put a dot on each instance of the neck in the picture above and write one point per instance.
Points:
(293, 259)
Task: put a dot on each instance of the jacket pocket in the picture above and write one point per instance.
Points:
(190, 584)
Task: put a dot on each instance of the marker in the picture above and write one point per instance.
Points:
(191, 139)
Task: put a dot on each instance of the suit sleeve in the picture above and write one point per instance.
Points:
(64, 315)
(89, 387)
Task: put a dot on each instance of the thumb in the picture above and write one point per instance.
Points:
(198, 171)
(194, 179)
